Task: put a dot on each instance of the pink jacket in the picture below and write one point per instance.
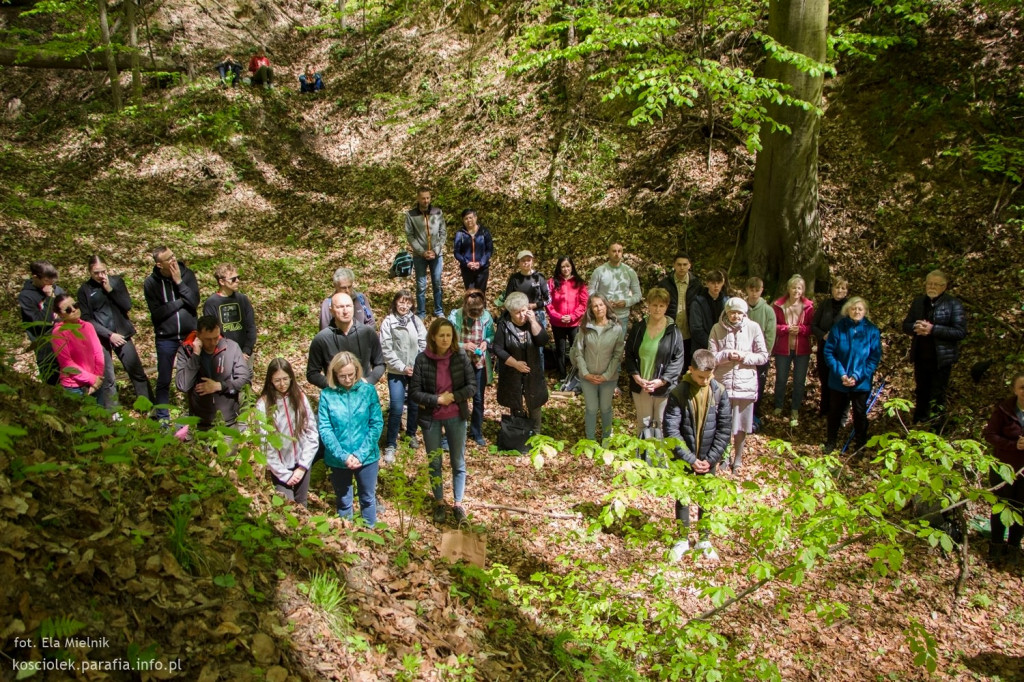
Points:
(569, 299)
(803, 335)
(79, 354)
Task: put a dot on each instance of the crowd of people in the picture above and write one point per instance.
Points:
(695, 363)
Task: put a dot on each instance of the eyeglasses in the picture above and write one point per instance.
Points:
(230, 279)
(70, 309)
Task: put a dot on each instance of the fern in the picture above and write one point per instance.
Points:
(60, 627)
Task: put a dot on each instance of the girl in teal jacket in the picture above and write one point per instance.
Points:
(350, 423)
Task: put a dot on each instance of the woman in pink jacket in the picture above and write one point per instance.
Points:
(566, 310)
(739, 348)
(794, 314)
(78, 350)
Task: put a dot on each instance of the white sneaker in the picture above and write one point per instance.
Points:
(389, 454)
(709, 551)
(794, 418)
(675, 555)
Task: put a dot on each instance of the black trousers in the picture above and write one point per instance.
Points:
(1013, 495)
(564, 338)
(475, 279)
(129, 357)
(822, 369)
(838, 402)
(930, 394)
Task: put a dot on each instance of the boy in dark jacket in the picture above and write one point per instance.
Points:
(937, 323)
(212, 371)
(233, 309)
(700, 415)
(38, 315)
(172, 295)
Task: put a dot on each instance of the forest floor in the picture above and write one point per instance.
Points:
(289, 189)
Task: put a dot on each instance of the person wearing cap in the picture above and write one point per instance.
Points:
(426, 233)
(739, 347)
(533, 284)
(618, 283)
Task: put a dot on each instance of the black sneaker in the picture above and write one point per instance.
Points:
(440, 513)
(459, 513)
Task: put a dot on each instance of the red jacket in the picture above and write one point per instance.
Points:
(803, 336)
(256, 62)
(569, 299)
(1003, 430)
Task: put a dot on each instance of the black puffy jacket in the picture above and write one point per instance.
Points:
(950, 322)
(717, 431)
(423, 385)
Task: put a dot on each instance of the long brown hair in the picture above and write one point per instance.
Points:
(435, 327)
(294, 396)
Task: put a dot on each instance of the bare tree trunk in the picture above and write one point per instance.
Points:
(39, 59)
(115, 85)
(784, 233)
(341, 15)
(133, 40)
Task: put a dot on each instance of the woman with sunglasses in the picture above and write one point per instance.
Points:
(79, 353)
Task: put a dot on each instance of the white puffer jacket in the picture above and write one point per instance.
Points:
(739, 378)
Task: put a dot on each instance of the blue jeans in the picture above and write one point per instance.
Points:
(166, 352)
(476, 424)
(420, 265)
(398, 396)
(366, 480)
(782, 365)
(455, 430)
(597, 398)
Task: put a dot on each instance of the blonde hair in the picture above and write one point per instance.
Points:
(793, 280)
(341, 360)
(658, 295)
(850, 302)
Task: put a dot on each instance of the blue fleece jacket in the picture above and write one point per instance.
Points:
(853, 349)
(350, 423)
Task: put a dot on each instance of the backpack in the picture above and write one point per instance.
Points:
(401, 266)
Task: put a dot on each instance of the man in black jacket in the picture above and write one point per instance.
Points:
(698, 414)
(682, 287)
(105, 301)
(344, 333)
(937, 323)
(172, 295)
(38, 315)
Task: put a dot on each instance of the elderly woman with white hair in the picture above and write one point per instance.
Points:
(519, 341)
(344, 283)
(853, 350)
(739, 347)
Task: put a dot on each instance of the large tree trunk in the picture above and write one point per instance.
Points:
(115, 83)
(131, 11)
(38, 59)
(783, 233)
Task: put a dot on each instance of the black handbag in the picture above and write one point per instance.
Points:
(515, 431)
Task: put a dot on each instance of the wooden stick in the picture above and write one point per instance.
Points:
(522, 510)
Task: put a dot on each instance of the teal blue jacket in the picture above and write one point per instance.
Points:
(350, 423)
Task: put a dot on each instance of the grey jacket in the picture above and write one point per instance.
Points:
(416, 232)
(401, 343)
(229, 368)
(598, 350)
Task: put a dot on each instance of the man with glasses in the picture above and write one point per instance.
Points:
(38, 315)
(172, 295)
(233, 309)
